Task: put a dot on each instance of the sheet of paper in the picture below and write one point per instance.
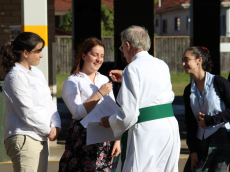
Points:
(99, 134)
(107, 107)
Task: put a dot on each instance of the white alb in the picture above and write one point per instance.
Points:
(152, 146)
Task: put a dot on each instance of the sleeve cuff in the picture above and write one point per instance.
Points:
(55, 125)
(113, 124)
(81, 111)
(208, 120)
(192, 149)
(55, 120)
(48, 132)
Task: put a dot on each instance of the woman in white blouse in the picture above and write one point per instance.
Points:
(31, 115)
(81, 93)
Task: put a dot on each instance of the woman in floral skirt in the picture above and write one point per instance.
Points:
(82, 91)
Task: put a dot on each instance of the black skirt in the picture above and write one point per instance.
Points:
(79, 157)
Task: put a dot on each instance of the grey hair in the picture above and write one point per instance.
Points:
(138, 37)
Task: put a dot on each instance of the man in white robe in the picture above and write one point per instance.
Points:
(150, 133)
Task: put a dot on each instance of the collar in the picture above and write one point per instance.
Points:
(142, 53)
(31, 72)
(81, 74)
(21, 68)
(207, 82)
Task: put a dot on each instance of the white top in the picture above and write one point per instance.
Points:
(79, 88)
(28, 100)
(151, 145)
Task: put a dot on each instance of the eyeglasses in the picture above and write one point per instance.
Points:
(121, 47)
(186, 60)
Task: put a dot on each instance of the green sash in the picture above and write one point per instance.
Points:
(147, 114)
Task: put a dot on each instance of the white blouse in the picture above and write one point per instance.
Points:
(78, 89)
(28, 100)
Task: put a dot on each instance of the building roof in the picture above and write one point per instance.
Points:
(170, 3)
(62, 32)
(62, 5)
(65, 5)
(108, 3)
(174, 3)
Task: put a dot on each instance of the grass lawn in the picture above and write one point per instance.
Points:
(179, 82)
(60, 79)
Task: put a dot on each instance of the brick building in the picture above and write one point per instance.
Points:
(11, 14)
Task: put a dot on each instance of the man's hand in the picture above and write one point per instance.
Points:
(104, 122)
(116, 75)
(201, 121)
(53, 133)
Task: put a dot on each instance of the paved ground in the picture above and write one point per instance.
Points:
(56, 150)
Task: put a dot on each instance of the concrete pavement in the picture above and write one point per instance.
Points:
(56, 150)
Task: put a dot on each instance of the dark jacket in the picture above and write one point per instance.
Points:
(229, 77)
(222, 88)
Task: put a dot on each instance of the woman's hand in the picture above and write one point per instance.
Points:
(201, 121)
(106, 88)
(116, 75)
(104, 122)
(53, 133)
(116, 149)
(194, 160)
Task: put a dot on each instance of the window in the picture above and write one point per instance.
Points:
(57, 21)
(165, 26)
(223, 25)
(177, 23)
(156, 22)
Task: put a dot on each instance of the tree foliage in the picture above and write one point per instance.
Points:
(67, 21)
(156, 1)
(107, 17)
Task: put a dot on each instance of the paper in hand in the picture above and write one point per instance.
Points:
(107, 107)
(99, 134)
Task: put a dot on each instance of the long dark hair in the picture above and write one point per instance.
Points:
(86, 46)
(203, 52)
(11, 52)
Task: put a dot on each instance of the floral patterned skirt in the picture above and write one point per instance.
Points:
(79, 157)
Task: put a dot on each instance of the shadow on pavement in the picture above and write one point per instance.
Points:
(184, 151)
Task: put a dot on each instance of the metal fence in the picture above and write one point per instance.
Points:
(167, 48)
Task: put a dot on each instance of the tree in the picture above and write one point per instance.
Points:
(67, 21)
(107, 17)
(157, 1)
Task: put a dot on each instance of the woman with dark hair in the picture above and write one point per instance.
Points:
(31, 115)
(82, 91)
(207, 114)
